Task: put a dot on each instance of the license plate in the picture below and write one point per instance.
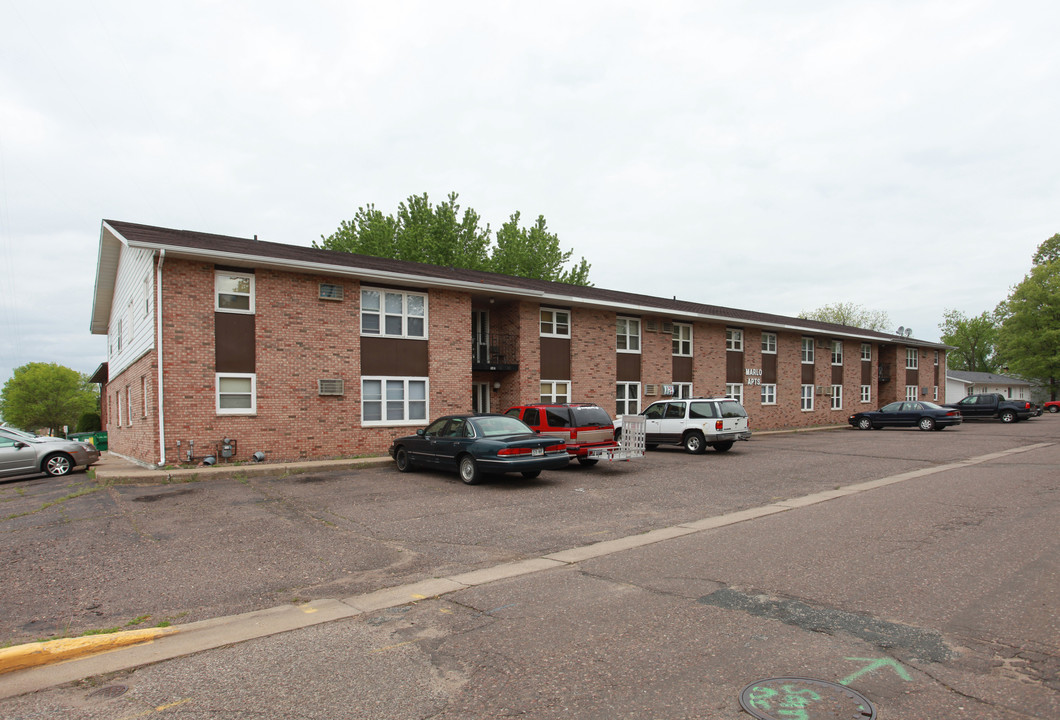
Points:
(538, 451)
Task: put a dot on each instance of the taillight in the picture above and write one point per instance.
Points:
(556, 448)
(573, 434)
(719, 425)
(514, 451)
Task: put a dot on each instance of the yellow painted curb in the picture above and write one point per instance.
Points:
(30, 655)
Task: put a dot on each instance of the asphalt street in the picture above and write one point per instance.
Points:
(934, 596)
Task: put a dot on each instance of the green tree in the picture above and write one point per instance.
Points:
(47, 395)
(1029, 338)
(851, 314)
(442, 235)
(535, 252)
(974, 340)
(1048, 251)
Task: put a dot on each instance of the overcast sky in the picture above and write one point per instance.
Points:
(772, 156)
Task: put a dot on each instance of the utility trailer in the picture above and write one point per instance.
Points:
(630, 444)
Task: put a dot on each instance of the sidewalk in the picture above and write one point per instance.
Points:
(114, 470)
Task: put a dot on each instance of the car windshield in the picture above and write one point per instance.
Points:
(586, 416)
(20, 433)
(494, 425)
(732, 409)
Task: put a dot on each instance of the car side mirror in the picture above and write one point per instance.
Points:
(421, 432)
(19, 444)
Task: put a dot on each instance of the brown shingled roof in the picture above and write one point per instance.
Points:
(188, 240)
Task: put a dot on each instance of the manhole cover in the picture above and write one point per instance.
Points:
(111, 691)
(794, 697)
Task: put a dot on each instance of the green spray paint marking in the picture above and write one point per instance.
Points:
(875, 664)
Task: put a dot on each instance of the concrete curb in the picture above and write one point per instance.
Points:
(31, 655)
(130, 474)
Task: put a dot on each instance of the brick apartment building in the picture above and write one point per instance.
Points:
(303, 353)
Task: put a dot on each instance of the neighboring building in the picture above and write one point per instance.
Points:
(961, 383)
(304, 353)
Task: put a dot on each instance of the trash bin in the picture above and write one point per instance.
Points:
(99, 438)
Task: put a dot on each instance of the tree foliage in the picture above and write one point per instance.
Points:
(851, 314)
(1029, 338)
(974, 340)
(1048, 251)
(441, 235)
(47, 395)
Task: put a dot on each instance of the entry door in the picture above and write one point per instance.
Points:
(480, 335)
(480, 397)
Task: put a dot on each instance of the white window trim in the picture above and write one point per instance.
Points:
(407, 421)
(912, 393)
(837, 352)
(554, 323)
(811, 359)
(803, 396)
(866, 352)
(866, 393)
(680, 340)
(382, 314)
(682, 390)
(733, 340)
(630, 322)
(551, 396)
(252, 410)
(769, 386)
(769, 348)
(734, 391)
(912, 359)
(216, 293)
(637, 399)
(837, 397)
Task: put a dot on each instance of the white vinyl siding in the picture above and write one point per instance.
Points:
(133, 300)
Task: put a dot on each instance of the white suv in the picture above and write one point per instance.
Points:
(694, 423)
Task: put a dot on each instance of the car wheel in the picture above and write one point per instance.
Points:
(588, 461)
(865, 424)
(1007, 416)
(1054, 408)
(401, 457)
(722, 446)
(469, 470)
(531, 474)
(58, 465)
(926, 423)
(694, 442)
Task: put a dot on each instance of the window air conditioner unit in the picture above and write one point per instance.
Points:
(823, 343)
(331, 387)
(828, 390)
(820, 389)
(650, 390)
(330, 292)
(668, 328)
(651, 325)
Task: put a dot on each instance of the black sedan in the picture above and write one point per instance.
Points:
(907, 413)
(475, 445)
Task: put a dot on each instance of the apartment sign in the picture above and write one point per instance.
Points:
(753, 376)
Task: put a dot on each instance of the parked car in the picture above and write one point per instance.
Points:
(477, 444)
(988, 406)
(696, 423)
(23, 453)
(582, 426)
(907, 413)
(1052, 406)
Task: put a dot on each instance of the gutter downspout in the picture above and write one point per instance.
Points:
(158, 342)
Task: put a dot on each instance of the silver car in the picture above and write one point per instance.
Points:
(24, 454)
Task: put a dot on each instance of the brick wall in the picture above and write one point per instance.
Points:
(137, 435)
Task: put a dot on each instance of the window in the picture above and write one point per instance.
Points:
(734, 339)
(866, 352)
(392, 313)
(628, 330)
(837, 352)
(627, 397)
(555, 323)
(121, 323)
(147, 296)
(866, 393)
(807, 351)
(555, 391)
(935, 395)
(769, 343)
(682, 390)
(143, 392)
(910, 392)
(233, 292)
(682, 339)
(117, 398)
(734, 391)
(236, 394)
(936, 358)
(806, 402)
(769, 394)
(837, 397)
(128, 405)
(393, 401)
(911, 362)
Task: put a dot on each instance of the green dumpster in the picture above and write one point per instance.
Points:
(99, 438)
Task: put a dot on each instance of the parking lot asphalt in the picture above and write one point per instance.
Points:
(215, 524)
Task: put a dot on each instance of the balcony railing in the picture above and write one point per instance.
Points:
(884, 372)
(494, 351)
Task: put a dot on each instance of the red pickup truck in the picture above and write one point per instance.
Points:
(1051, 406)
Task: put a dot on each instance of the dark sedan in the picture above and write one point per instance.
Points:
(907, 413)
(475, 445)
